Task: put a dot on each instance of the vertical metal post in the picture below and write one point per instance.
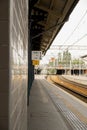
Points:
(70, 66)
(30, 66)
(29, 55)
(79, 67)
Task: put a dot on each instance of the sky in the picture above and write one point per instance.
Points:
(73, 32)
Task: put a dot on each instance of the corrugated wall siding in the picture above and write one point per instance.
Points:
(18, 64)
(13, 64)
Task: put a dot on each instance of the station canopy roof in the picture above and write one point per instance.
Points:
(47, 17)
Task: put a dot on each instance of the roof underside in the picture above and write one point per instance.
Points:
(46, 19)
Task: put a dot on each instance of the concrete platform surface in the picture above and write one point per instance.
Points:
(43, 115)
(79, 79)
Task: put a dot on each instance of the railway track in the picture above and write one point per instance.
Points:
(76, 89)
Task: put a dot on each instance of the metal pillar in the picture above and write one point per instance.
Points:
(30, 66)
(30, 70)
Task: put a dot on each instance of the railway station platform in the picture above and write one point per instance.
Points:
(42, 113)
(81, 79)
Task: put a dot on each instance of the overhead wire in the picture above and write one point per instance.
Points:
(75, 28)
(85, 35)
(74, 31)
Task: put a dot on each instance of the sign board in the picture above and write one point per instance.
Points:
(36, 55)
(35, 62)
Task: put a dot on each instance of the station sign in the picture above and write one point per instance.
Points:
(35, 62)
(36, 55)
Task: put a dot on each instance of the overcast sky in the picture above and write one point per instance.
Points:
(74, 32)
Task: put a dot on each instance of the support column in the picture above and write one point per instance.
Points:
(30, 66)
(30, 70)
(4, 64)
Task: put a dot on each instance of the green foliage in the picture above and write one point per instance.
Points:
(52, 71)
(77, 62)
(66, 57)
(66, 60)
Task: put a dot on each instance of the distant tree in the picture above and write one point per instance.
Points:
(59, 58)
(66, 58)
(77, 62)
